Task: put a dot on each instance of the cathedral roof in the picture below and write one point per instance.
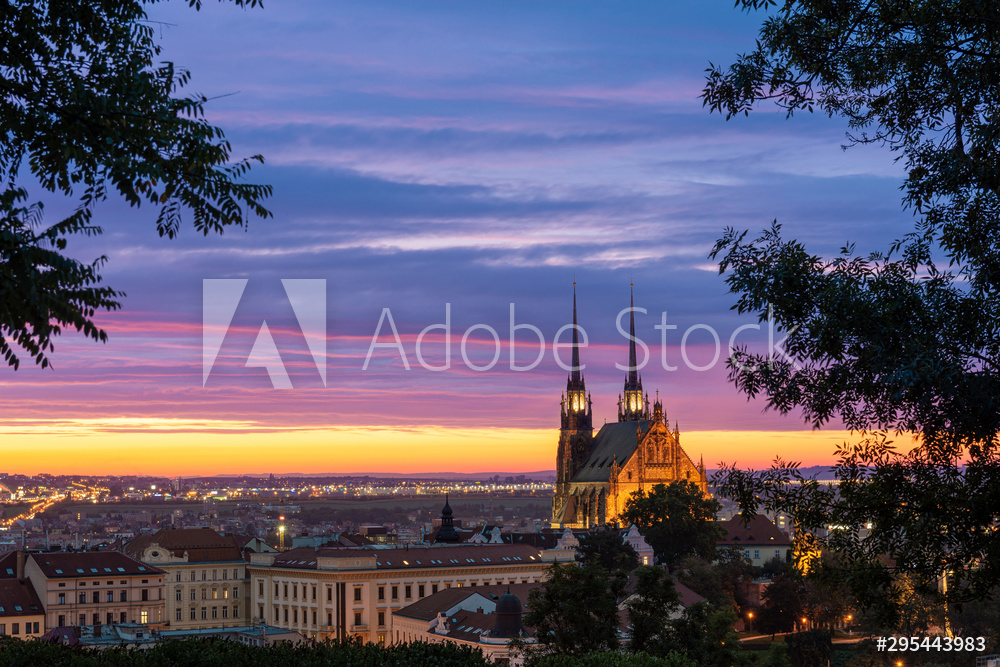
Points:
(615, 441)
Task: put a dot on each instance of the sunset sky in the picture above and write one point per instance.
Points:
(423, 154)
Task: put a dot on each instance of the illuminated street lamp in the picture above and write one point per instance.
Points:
(750, 616)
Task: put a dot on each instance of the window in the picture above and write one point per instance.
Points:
(83, 619)
(225, 593)
(192, 575)
(109, 618)
(395, 592)
(83, 600)
(295, 616)
(236, 592)
(314, 617)
(194, 594)
(225, 574)
(420, 591)
(225, 612)
(204, 594)
(275, 614)
(275, 589)
(434, 589)
(62, 622)
(408, 590)
(260, 588)
(777, 553)
(178, 576)
(235, 573)
(329, 596)
(121, 617)
(357, 618)
(193, 614)
(357, 594)
(329, 618)
(314, 592)
(756, 554)
(96, 619)
(381, 592)
(145, 595)
(215, 575)
(295, 591)
(746, 553)
(215, 612)
(123, 596)
(15, 628)
(3, 628)
(144, 617)
(178, 615)
(204, 575)
(110, 597)
(286, 591)
(236, 612)
(62, 599)
(215, 594)
(381, 618)
(204, 613)
(97, 597)
(286, 615)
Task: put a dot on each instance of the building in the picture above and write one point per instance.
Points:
(596, 473)
(205, 573)
(759, 540)
(485, 618)
(21, 612)
(344, 593)
(90, 587)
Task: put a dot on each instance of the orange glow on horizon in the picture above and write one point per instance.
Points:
(172, 447)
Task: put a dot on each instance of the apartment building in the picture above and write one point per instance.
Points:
(206, 585)
(342, 593)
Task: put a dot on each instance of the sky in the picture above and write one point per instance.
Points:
(445, 161)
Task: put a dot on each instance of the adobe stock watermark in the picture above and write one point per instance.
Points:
(220, 299)
(307, 297)
(561, 341)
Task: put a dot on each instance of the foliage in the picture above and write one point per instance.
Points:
(705, 634)
(606, 548)
(777, 656)
(782, 605)
(576, 610)
(809, 648)
(87, 111)
(772, 568)
(890, 342)
(676, 519)
(215, 653)
(650, 609)
(615, 660)
(716, 582)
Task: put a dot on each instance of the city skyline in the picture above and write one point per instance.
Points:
(469, 156)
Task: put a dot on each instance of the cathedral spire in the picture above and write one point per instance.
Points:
(633, 372)
(575, 372)
(633, 405)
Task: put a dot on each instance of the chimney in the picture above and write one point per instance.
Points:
(19, 557)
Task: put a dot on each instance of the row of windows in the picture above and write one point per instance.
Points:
(109, 596)
(179, 594)
(193, 613)
(281, 590)
(756, 553)
(109, 618)
(215, 575)
(15, 628)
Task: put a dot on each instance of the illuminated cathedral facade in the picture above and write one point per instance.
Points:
(596, 473)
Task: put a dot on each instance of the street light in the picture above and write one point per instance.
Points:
(750, 615)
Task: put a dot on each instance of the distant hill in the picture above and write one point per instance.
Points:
(819, 472)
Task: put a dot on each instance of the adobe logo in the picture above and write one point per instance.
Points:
(220, 299)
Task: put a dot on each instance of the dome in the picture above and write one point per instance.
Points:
(508, 604)
(508, 613)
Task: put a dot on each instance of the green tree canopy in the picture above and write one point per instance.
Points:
(576, 611)
(650, 610)
(676, 519)
(900, 340)
(88, 111)
(606, 547)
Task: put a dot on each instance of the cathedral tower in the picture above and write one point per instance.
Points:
(576, 432)
(633, 403)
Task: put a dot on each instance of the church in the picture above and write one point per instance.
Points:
(596, 473)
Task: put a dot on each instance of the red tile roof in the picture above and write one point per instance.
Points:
(202, 545)
(18, 598)
(75, 564)
(418, 558)
(760, 531)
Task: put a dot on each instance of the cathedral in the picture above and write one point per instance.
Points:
(596, 473)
